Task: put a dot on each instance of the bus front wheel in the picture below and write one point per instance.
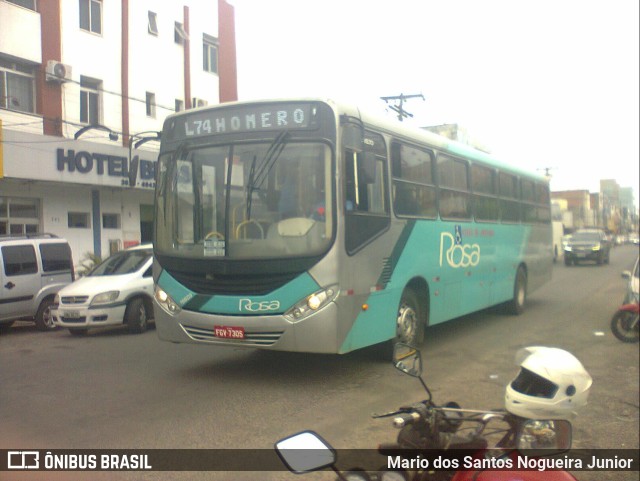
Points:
(410, 321)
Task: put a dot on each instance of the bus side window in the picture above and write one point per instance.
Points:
(366, 198)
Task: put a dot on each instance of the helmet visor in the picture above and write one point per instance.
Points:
(532, 384)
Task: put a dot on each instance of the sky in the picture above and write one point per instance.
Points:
(544, 84)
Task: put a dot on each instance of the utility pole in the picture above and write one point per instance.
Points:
(547, 172)
(399, 106)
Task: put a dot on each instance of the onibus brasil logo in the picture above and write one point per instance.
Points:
(455, 252)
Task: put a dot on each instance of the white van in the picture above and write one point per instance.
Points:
(33, 268)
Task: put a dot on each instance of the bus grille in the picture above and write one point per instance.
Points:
(232, 284)
(251, 338)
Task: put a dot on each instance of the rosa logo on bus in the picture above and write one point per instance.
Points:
(455, 252)
(247, 305)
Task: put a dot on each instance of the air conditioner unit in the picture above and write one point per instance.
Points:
(57, 72)
(196, 102)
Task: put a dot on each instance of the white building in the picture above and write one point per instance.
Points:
(119, 66)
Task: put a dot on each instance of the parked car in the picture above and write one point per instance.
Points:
(587, 244)
(118, 291)
(33, 268)
(633, 287)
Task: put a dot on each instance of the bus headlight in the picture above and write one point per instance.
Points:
(312, 303)
(165, 302)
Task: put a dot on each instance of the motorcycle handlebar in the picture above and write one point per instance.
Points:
(403, 420)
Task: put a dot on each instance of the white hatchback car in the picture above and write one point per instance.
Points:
(117, 291)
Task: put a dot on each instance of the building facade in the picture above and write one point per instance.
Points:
(85, 86)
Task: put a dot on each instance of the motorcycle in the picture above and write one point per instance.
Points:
(449, 443)
(624, 323)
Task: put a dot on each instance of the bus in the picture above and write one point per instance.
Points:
(307, 225)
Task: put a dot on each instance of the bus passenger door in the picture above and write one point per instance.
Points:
(366, 221)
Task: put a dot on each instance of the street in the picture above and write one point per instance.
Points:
(113, 390)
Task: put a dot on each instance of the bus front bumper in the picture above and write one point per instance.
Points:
(316, 333)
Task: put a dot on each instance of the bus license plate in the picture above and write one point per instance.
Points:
(228, 332)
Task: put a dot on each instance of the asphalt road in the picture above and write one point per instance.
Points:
(113, 390)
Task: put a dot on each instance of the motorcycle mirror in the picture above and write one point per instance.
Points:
(407, 359)
(305, 451)
(544, 437)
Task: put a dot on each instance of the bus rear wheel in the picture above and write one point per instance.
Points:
(516, 305)
(410, 320)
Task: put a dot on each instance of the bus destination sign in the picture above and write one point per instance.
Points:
(251, 118)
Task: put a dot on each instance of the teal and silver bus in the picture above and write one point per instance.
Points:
(307, 225)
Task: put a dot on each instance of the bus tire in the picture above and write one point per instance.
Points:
(516, 305)
(410, 320)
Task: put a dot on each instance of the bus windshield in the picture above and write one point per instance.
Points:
(240, 201)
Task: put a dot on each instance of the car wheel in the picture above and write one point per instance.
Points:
(136, 316)
(567, 260)
(44, 319)
(608, 258)
(78, 332)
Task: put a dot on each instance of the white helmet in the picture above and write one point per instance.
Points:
(551, 384)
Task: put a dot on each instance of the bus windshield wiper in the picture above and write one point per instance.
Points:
(257, 178)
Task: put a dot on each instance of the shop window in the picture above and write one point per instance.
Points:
(79, 220)
(19, 216)
(111, 221)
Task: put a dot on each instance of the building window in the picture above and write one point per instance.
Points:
(19, 216)
(180, 35)
(179, 105)
(151, 104)
(91, 16)
(90, 101)
(30, 4)
(153, 23)
(209, 53)
(78, 220)
(111, 221)
(17, 84)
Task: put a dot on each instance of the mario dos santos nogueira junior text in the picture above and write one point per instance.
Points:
(521, 462)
